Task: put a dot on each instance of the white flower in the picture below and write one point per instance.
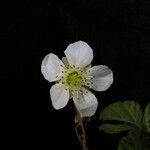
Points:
(74, 77)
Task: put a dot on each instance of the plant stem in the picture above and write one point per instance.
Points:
(81, 136)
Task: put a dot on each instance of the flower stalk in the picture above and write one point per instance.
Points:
(80, 130)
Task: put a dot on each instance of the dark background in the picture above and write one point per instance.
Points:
(119, 33)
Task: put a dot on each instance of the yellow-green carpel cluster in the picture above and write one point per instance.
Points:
(73, 77)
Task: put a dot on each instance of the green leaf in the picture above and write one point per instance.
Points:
(112, 128)
(128, 142)
(135, 140)
(146, 117)
(127, 111)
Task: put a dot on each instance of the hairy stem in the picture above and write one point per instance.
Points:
(80, 131)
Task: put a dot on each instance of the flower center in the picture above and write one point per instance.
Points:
(74, 79)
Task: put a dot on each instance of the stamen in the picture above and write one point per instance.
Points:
(74, 77)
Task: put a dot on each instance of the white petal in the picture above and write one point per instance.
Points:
(86, 103)
(79, 54)
(103, 77)
(59, 95)
(51, 67)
